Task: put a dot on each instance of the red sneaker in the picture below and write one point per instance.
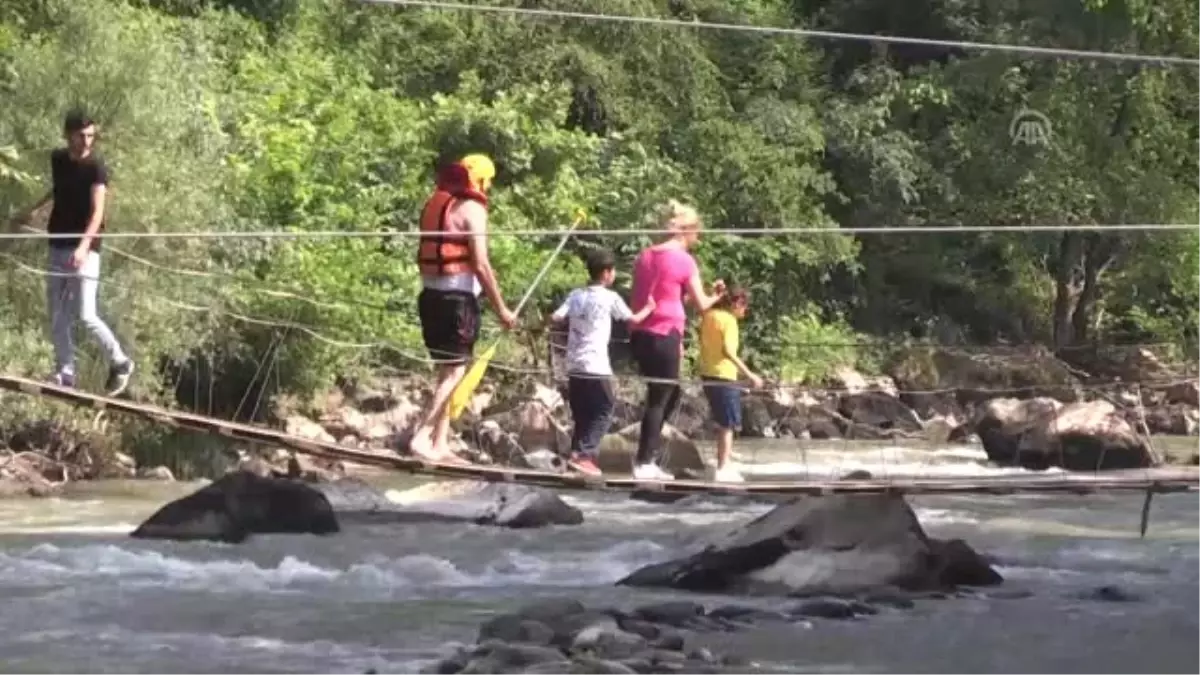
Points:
(583, 464)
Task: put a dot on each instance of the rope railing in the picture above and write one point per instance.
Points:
(630, 232)
(775, 384)
(823, 479)
(493, 332)
(256, 287)
(350, 304)
(1028, 50)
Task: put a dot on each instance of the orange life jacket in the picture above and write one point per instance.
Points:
(449, 252)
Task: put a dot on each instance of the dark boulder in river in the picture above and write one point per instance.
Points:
(838, 545)
(240, 504)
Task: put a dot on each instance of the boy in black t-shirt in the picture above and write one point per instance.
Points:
(80, 182)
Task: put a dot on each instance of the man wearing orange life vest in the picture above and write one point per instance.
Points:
(453, 257)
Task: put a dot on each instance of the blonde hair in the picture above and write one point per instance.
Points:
(676, 217)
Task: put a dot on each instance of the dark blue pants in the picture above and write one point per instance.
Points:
(591, 400)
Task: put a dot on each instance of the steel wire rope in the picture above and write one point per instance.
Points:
(772, 390)
(391, 346)
(773, 385)
(350, 304)
(635, 232)
(555, 376)
(1031, 50)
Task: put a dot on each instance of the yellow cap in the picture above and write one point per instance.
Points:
(479, 168)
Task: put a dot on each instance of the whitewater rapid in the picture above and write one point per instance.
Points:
(81, 595)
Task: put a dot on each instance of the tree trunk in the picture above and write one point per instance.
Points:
(1083, 258)
(1100, 254)
(1067, 288)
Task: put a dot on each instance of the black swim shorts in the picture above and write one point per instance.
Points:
(449, 324)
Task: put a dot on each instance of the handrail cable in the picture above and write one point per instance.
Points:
(1031, 50)
(385, 234)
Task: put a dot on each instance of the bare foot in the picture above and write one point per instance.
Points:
(451, 458)
(443, 454)
(421, 446)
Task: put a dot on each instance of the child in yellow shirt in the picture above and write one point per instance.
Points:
(720, 368)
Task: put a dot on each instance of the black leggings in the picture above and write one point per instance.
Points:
(656, 356)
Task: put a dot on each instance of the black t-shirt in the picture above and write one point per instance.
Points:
(73, 181)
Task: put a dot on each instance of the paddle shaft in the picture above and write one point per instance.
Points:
(546, 267)
(466, 386)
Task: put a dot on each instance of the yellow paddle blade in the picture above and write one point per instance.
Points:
(460, 398)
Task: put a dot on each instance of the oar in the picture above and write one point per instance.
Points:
(462, 394)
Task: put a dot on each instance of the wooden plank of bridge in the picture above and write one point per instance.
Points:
(1154, 480)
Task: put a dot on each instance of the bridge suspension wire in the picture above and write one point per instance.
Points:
(490, 332)
(1030, 50)
(789, 397)
(772, 385)
(633, 232)
(257, 287)
(298, 295)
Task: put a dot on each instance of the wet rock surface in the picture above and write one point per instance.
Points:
(825, 545)
(241, 504)
(565, 636)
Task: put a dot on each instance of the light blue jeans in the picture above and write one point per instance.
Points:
(71, 294)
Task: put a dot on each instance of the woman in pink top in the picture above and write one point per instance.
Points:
(670, 273)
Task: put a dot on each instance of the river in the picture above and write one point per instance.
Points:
(79, 595)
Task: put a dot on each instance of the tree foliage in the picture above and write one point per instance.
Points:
(312, 115)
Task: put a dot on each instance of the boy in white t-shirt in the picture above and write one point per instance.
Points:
(590, 312)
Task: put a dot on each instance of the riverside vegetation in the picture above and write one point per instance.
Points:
(319, 115)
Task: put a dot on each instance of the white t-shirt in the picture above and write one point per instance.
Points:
(591, 311)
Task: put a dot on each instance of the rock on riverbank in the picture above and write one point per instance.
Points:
(40, 458)
(936, 396)
(1025, 406)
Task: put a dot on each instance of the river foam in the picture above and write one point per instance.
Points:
(81, 595)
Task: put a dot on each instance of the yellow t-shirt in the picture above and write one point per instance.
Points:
(718, 335)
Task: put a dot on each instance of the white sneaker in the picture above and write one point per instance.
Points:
(728, 474)
(651, 472)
